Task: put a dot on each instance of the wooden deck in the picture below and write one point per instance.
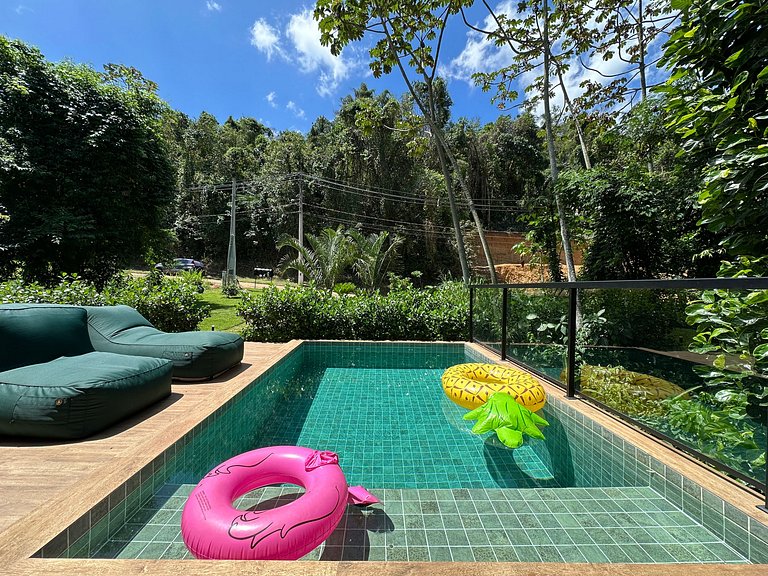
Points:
(44, 487)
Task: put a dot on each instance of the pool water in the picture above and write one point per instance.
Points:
(581, 495)
(394, 428)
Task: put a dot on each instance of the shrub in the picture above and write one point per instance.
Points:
(71, 289)
(405, 313)
(171, 304)
(639, 317)
(342, 288)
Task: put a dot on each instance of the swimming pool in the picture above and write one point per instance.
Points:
(582, 495)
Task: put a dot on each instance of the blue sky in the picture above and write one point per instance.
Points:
(228, 57)
(255, 58)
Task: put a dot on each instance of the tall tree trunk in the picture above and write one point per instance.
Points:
(572, 112)
(641, 63)
(472, 210)
(564, 233)
(443, 150)
(454, 214)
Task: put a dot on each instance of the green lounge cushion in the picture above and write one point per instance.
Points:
(195, 355)
(36, 333)
(72, 397)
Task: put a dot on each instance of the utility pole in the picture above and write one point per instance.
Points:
(230, 276)
(301, 228)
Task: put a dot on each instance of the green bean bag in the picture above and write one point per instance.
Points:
(54, 385)
(195, 355)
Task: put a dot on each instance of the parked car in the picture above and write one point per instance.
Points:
(181, 265)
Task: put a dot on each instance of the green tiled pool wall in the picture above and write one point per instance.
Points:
(332, 354)
(597, 456)
(466, 525)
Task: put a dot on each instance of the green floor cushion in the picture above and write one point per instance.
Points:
(36, 333)
(73, 397)
(195, 355)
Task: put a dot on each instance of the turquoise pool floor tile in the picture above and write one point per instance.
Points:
(411, 534)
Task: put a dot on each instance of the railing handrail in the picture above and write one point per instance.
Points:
(743, 283)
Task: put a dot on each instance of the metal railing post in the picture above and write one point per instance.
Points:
(764, 507)
(471, 310)
(504, 297)
(571, 354)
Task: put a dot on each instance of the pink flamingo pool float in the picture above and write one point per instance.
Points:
(213, 529)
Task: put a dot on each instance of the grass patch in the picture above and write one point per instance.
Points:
(223, 312)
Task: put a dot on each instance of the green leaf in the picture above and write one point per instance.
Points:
(761, 352)
(733, 57)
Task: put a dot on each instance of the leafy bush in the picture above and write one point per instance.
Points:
(171, 304)
(639, 317)
(342, 288)
(71, 289)
(715, 424)
(528, 311)
(613, 386)
(405, 313)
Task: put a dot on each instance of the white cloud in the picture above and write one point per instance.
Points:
(20, 9)
(312, 56)
(298, 112)
(213, 6)
(478, 54)
(265, 38)
(271, 98)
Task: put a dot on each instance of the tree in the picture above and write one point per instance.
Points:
(413, 32)
(371, 258)
(717, 95)
(527, 34)
(85, 177)
(323, 261)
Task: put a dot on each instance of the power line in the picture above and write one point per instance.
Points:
(369, 192)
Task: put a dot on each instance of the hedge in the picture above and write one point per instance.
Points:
(171, 304)
(405, 313)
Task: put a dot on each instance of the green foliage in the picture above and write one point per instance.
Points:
(639, 225)
(535, 317)
(405, 313)
(716, 425)
(323, 261)
(614, 387)
(644, 318)
(371, 257)
(343, 288)
(71, 289)
(171, 304)
(733, 325)
(86, 179)
(717, 95)
(331, 253)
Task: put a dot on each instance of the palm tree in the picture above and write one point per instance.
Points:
(323, 261)
(371, 258)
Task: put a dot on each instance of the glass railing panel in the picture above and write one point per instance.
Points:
(638, 354)
(537, 322)
(486, 317)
